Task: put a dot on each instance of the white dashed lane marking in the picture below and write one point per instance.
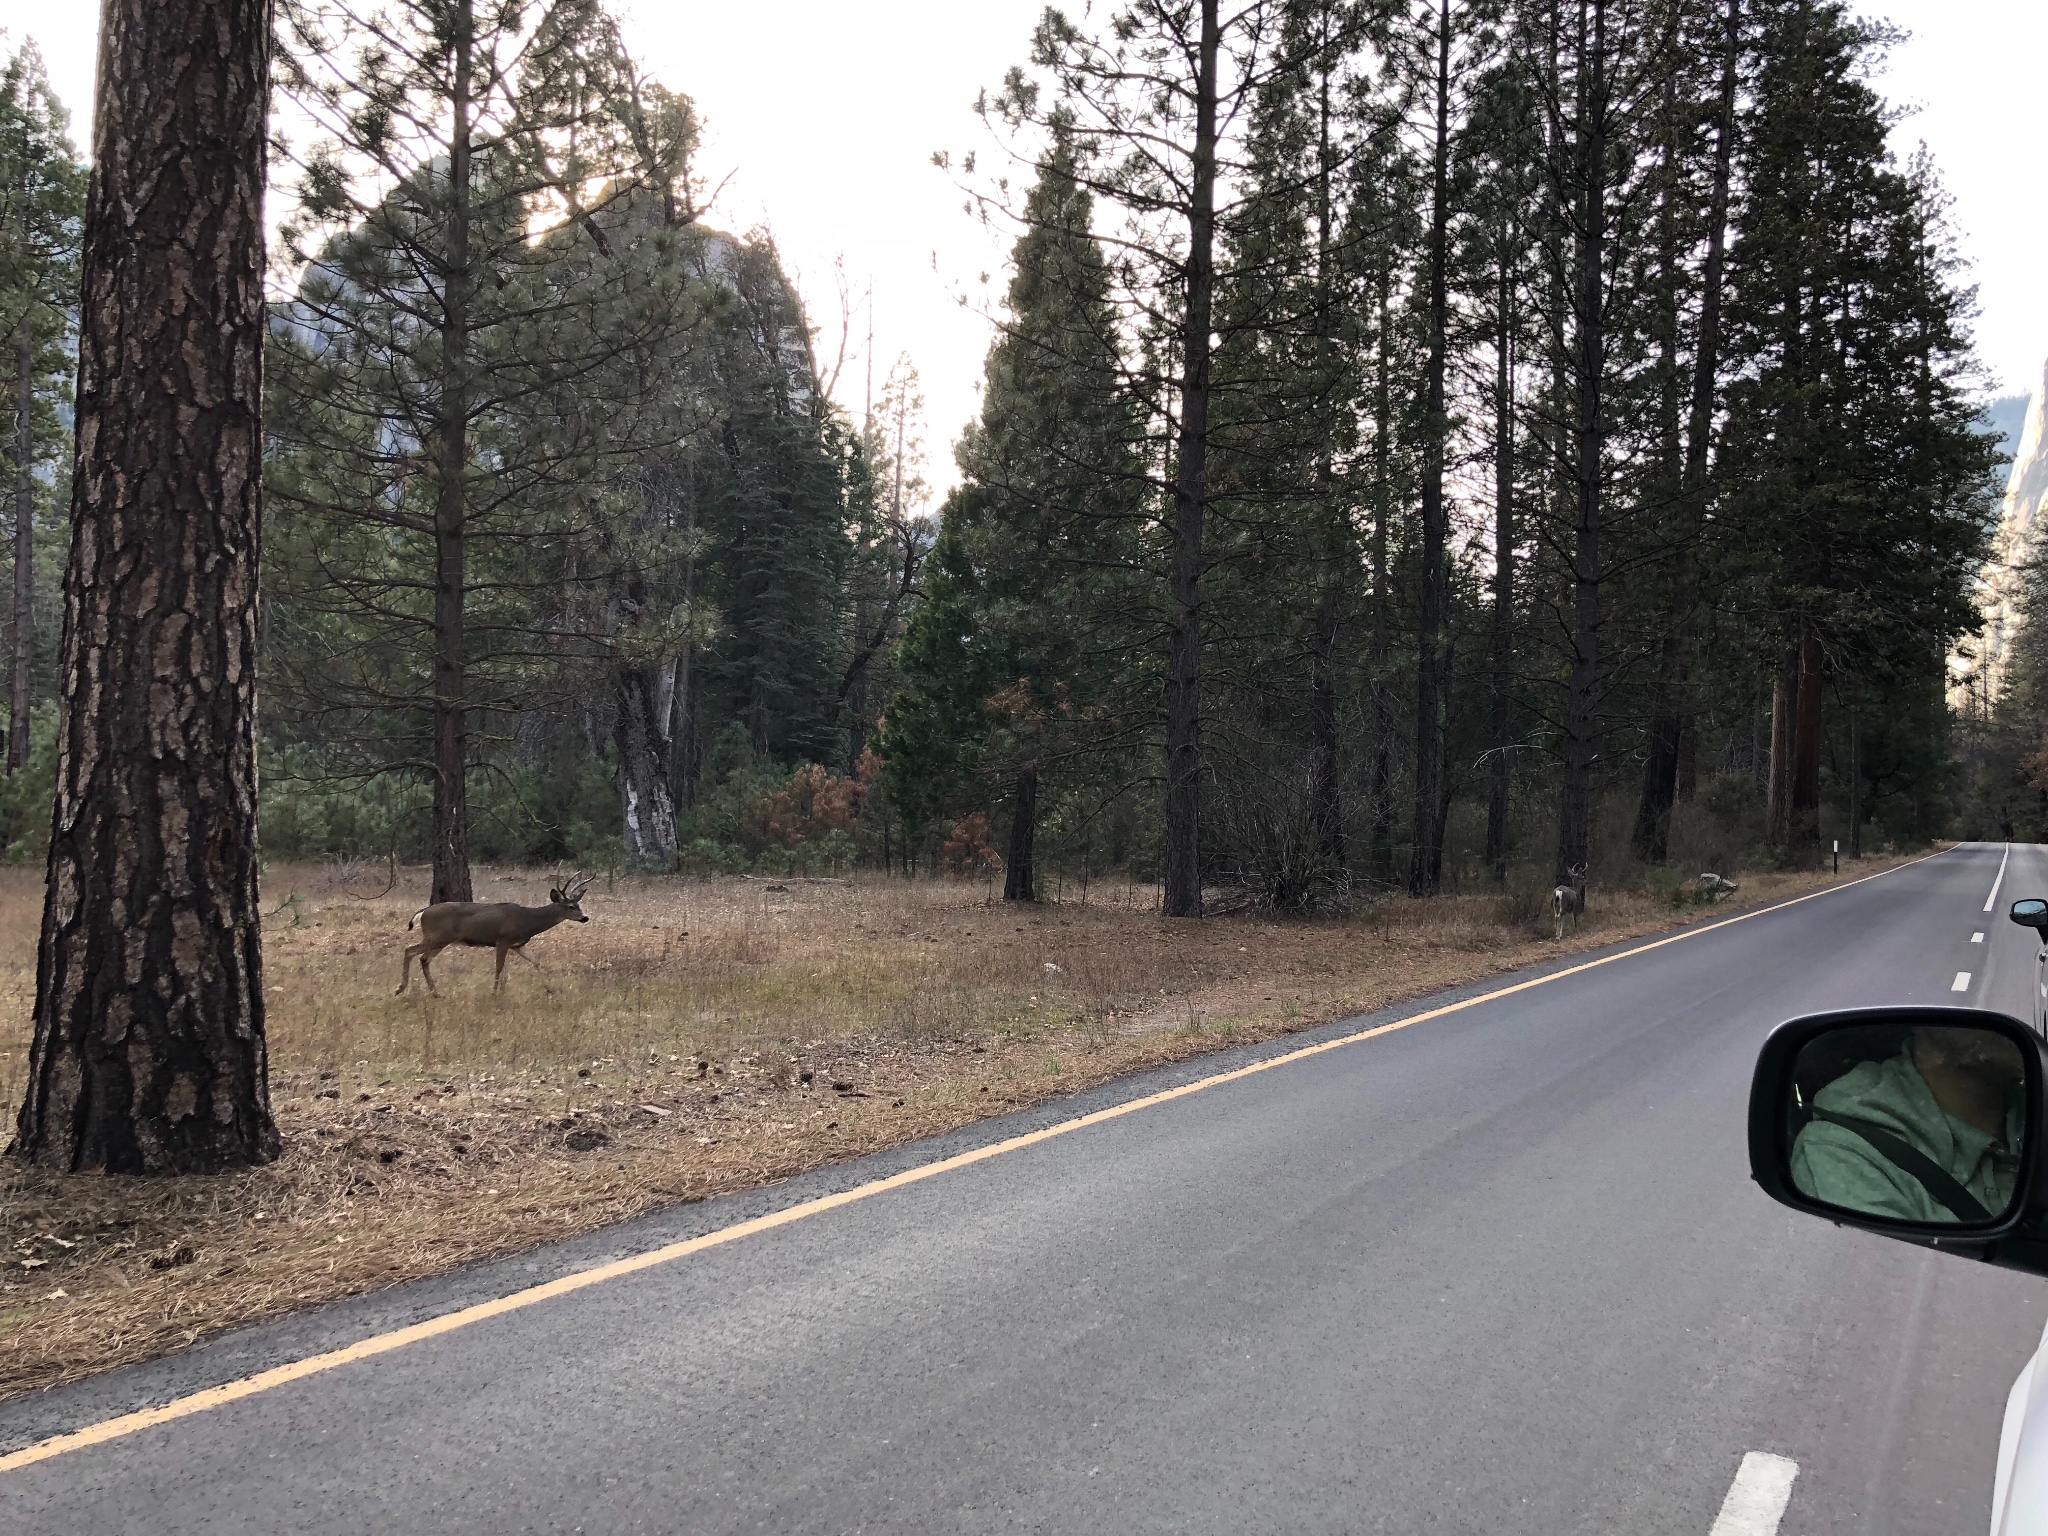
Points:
(1995, 884)
(1961, 983)
(1757, 1498)
(1976, 938)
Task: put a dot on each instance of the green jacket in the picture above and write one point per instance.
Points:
(1833, 1163)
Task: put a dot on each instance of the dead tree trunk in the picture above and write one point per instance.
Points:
(640, 735)
(1020, 874)
(149, 1053)
(451, 466)
(1182, 877)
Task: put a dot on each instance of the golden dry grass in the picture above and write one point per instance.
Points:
(696, 1037)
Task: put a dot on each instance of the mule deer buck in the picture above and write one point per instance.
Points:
(501, 925)
(1569, 900)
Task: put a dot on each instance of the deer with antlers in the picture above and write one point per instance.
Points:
(501, 925)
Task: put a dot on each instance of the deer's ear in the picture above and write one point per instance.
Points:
(554, 895)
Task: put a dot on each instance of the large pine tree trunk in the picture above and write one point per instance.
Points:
(1327, 798)
(1804, 827)
(1382, 784)
(1426, 856)
(1668, 773)
(1020, 873)
(451, 465)
(1182, 876)
(149, 1050)
(1778, 795)
(1327, 792)
(1503, 637)
(1855, 786)
(22, 633)
(1575, 800)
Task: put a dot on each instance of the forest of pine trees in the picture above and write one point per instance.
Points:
(1422, 443)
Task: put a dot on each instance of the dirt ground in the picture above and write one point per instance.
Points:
(696, 1037)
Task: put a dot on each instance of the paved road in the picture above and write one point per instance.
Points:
(1501, 1271)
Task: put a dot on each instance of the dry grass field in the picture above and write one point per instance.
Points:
(696, 1037)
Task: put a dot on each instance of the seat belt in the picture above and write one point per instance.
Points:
(1945, 1189)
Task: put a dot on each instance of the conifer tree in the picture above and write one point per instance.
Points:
(1861, 468)
(426, 387)
(1017, 668)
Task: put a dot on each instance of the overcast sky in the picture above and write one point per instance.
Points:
(825, 114)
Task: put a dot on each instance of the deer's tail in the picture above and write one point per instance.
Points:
(413, 919)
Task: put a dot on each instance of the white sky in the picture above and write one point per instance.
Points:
(826, 113)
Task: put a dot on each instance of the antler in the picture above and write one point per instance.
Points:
(578, 884)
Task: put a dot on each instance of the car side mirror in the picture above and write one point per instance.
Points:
(2032, 912)
(1924, 1124)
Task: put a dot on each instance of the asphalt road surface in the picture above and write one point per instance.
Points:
(1501, 1271)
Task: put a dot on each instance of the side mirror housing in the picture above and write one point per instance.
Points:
(1923, 1124)
(2031, 912)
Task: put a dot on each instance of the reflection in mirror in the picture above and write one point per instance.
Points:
(2030, 913)
(1912, 1122)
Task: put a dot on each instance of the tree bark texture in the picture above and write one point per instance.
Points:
(1575, 808)
(451, 467)
(1426, 857)
(22, 633)
(149, 1053)
(1181, 895)
(1020, 873)
(640, 735)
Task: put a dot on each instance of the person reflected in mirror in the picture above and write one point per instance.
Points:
(1931, 1134)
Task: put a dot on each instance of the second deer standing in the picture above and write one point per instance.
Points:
(1569, 899)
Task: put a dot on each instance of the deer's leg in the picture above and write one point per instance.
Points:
(426, 955)
(405, 966)
(498, 983)
(545, 983)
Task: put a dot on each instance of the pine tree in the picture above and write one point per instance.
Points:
(1017, 667)
(438, 373)
(1862, 471)
(437, 340)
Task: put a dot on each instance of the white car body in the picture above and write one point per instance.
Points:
(2019, 1497)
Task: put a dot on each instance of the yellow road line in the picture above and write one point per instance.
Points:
(384, 1343)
